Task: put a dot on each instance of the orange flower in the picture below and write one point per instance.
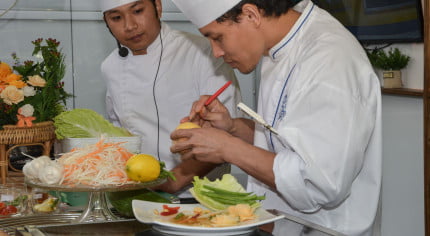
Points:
(5, 70)
(11, 77)
(18, 83)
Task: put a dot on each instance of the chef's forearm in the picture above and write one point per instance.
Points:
(253, 160)
(244, 129)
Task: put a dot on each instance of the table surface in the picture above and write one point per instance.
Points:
(118, 228)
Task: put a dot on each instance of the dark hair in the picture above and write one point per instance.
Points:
(271, 8)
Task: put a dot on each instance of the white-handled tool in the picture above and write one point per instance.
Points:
(244, 108)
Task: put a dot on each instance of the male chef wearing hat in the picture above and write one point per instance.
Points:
(321, 95)
(154, 76)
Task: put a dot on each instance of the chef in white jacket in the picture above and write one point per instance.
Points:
(153, 78)
(319, 92)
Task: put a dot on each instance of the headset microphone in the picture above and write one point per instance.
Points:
(122, 51)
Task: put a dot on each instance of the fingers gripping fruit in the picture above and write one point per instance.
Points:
(186, 125)
(143, 168)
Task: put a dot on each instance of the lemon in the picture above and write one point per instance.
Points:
(188, 125)
(142, 168)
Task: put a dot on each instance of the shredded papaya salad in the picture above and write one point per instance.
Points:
(96, 165)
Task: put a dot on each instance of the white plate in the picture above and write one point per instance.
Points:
(144, 212)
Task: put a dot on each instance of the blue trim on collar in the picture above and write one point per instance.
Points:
(295, 32)
(279, 102)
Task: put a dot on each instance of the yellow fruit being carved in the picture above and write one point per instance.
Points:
(188, 125)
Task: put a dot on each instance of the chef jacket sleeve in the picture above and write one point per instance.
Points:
(331, 113)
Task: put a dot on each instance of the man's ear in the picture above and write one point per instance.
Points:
(158, 8)
(251, 13)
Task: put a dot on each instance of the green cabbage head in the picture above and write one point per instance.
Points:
(85, 123)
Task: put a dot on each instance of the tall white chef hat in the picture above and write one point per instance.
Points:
(111, 4)
(203, 12)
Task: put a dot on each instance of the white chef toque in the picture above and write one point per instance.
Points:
(111, 4)
(203, 12)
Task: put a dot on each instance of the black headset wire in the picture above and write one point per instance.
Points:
(155, 100)
(72, 54)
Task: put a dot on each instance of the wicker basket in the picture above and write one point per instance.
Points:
(39, 132)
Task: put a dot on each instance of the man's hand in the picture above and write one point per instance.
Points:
(205, 144)
(213, 115)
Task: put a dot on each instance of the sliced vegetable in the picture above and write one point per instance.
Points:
(167, 211)
(179, 216)
(8, 210)
(220, 194)
(18, 200)
(48, 205)
(225, 192)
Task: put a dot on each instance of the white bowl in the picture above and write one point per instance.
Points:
(132, 144)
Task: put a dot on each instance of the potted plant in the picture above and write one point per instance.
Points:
(391, 63)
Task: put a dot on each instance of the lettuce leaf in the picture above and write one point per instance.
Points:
(85, 123)
(228, 182)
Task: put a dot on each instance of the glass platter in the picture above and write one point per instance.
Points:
(97, 209)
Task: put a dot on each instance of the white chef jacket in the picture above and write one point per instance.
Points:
(321, 94)
(186, 71)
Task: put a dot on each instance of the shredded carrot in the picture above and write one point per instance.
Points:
(96, 165)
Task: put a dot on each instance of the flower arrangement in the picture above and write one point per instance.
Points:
(33, 91)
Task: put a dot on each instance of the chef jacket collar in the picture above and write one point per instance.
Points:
(306, 7)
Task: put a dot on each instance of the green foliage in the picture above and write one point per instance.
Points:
(393, 60)
(122, 201)
(48, 103)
